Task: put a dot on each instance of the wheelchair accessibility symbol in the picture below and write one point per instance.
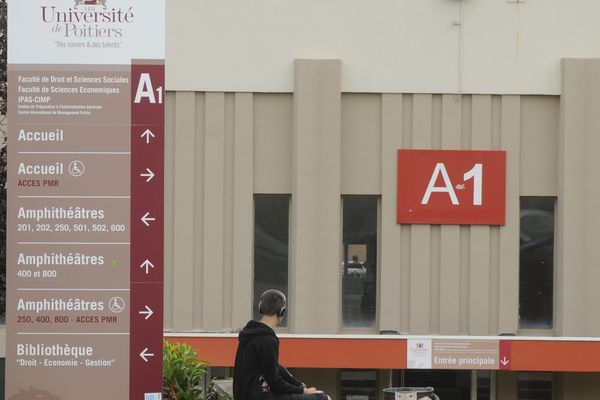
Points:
(116, 304)
(76, 168)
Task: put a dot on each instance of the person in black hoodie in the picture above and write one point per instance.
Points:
(257, 373)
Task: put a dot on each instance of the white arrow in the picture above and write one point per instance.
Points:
(147, 264)
(505, 361)
(148, 313)
(143, 354)
(149, 175)
(147, 133)
(146, 218)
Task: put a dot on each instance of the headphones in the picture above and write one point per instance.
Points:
(282, 311)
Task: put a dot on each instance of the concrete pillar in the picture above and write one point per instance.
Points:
(578, 197)
(316, 187)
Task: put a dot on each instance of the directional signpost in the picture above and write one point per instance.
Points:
(85, 199)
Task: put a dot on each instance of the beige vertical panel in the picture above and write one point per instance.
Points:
(496, 122)
(465, 231)
(579, 386)
(169, 208)
(591, 199)
(243, 210)
(436, 230)
(539, 145)
(273, 143)
(508, 274)
(228, 202)
(198, 185)
(450, 235)
(405, 230)
(391, 277)
(316, 188)
(184, 207)
(214, 174)
(384, 380)
(420, 257)
(361, 143)
(479, 307)
(506, 385)
(571, 210)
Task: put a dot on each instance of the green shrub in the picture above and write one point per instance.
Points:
(182, 372)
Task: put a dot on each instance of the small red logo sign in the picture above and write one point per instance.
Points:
(90, 3)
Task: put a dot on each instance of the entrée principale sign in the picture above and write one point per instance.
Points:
(451, 187)
(85, 203)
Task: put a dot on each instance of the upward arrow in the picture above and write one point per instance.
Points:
(147, 134)
(147, 264)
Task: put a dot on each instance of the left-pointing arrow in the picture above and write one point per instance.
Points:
(144, 354)
(148, 175)
(148, 312)
(146, 218)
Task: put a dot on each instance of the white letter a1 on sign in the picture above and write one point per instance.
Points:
(145, 89)
(440, 168)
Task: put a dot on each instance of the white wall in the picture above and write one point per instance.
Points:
(385, 45)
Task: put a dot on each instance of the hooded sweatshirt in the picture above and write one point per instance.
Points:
(258, 354)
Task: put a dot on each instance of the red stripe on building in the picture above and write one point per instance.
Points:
(525, 355)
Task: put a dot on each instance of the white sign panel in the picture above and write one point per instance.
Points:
(85, 31)
(418, 353)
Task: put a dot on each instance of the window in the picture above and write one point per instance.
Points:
(536, 274)
(534, 386)
(358, 385)
(271, 243)
(359, 261)
(484, 380)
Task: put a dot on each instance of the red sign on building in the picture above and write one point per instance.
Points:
(451, 187)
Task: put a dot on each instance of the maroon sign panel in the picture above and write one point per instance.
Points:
(147, 159)
(451, 187)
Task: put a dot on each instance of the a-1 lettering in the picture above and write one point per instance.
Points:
(145, 90)
(475, 173)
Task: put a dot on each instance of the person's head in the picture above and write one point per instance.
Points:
(273, 304)
(355, 258)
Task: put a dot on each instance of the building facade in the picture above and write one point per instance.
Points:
(282, 147)
(284, 121)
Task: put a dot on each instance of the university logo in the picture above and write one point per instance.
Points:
(90, 3)
(88, 19)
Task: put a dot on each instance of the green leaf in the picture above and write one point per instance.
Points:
(182, 372)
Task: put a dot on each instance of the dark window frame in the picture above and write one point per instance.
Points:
(535, 236)
(345, 258)
(255, 293)
(536, 385)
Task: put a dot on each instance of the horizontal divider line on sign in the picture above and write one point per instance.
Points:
(115, 153)
(74, 197)
(74, 333)
(127, 243)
